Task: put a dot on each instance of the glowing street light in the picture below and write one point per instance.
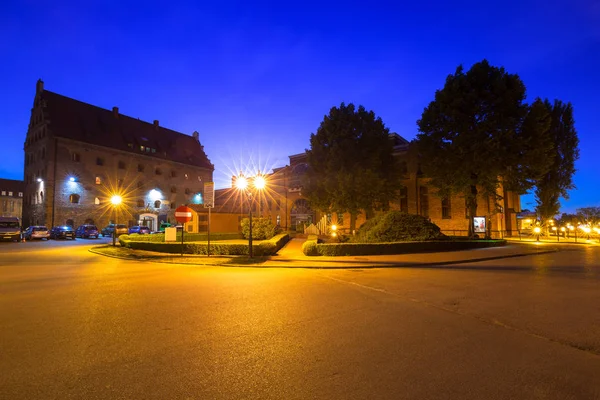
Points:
(537, 231)
(39, 180)
(115, 200)
(246, 186)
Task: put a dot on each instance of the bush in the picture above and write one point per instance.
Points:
(309, 248)
(262, 228)
(188, 237)
(396, 226)
(366, 249)
(268, 247)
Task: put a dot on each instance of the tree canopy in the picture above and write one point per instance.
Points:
(351, 163)
(559, 178)
(478, 132)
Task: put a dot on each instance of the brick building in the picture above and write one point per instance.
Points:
(284, 203)
(77, 156)
(11, 198)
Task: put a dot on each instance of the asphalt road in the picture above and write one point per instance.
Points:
(74, 325)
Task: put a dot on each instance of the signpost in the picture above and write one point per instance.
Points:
(183, 214)
(209, 202)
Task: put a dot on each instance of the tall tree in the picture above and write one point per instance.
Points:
(589, 215)
(479, 132)
(351, 163)
(557, 182)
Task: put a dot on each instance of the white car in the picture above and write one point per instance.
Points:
(36, 232)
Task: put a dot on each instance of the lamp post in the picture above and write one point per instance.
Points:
(537, 231)
(116, 201)
(247, 186)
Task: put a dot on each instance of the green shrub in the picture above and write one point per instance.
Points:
(262, 228)
(366, 249)
(268, 247)
(309, 248)
(188, 237)
(396, 226)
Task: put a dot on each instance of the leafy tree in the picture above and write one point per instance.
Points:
(589, 215)
(478, 133)
(559, 179)
(351, 163)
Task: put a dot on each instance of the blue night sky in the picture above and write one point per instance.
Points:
(256, 78)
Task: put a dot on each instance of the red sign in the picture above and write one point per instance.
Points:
(183, 214)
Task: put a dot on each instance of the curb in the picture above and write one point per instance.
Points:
(366, 265)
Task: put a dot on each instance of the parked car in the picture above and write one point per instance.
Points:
(10, 228)
(87, 231)
(142, 230)
(109, 229)
(162, 227)
(62, 232)
(36, 232)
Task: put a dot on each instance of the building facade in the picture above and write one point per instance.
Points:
(11, 198)
(78, 156)
(285, 204)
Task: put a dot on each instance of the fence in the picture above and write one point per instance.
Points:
(465, 233)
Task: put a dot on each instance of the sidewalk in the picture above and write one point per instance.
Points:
(553, 240)
(291, 256)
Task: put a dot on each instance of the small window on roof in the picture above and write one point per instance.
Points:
(10, 193)
(98, 180)
(20, 194)
(96, 201)
(154, 150)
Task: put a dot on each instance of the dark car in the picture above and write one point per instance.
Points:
(142, 230)
(62, 232)
(36, 232)
(87, 231)
(109, 229)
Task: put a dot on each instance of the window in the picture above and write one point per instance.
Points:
(424, 201)
(4, 193)
(404, 199)
(173, 189)
(154, 150)
(130, 145)
(187, 191)
(96, 201)
(140, 167)
(12, 206)
(99, 161)
(20, 194)
(186, 176)
(269, 204)
(173, 206)
(74, 198)
(140, 203)
(121, 165)
(142, 148)
(173, 174)
(202, 218)
(279, 220)
(157, 204)
(10, 193)
(148, 149)
(76, 157)
(98, 180)
(158, 171)
(446, 208)
(119, 182)
(340, 219)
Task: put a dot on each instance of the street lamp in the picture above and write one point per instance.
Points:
(116, 201)
(537, 231)
(247, 186)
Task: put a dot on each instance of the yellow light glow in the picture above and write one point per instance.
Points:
(527, 221)
(260, 182)
(116, 200)
(241, 182)
(537, 229)
(587, 229)
(563, 229)
(571, 228)
(333, 234)
(334, 227)
(553, 228)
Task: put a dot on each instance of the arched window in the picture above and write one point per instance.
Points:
(74, 198)
(157, 204)
(96, 201)
(41, 196)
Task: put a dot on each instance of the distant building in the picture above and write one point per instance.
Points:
(77, 156)
(11, 198)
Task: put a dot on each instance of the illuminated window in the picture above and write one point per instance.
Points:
(279, 220)
(96, 201)
(10, 193)
(20, 194)
(340, 219)
(142, 148)
(74, 198)
(76, 157)
(98, 180)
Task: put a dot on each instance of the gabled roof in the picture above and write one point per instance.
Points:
(76, 120)
(12, 185)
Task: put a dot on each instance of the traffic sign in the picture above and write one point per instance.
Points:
(183, 214)
(209, 194)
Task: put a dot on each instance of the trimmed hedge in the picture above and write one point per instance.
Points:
(397, 226)
(188, 237)
(262, 228)
(367, 249)
(265, 248)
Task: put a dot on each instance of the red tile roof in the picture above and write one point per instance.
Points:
(76, 120)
